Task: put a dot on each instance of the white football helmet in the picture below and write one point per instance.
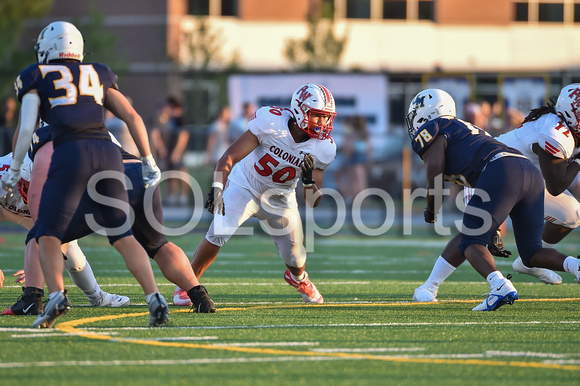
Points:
(314, 110)
(567, 107)
(427, 105)
(59, 40)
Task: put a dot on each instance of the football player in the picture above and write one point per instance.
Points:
(71, 96)
(550, 138)
(506, 183)
(258, 174)
(171, 259)
(15, 209)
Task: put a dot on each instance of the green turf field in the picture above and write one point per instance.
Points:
(368, 331)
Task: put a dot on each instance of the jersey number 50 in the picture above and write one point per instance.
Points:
(89, 84)
(280, 176)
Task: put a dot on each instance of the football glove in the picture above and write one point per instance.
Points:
(496, 247)
(9, 181)
(151, 172)
(215, 201)
(429, 216)
(307, 168)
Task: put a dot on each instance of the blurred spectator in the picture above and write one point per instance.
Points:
(7, 124)
(352, 176)
(120, 130)
(219, 136)
(170, 139)
(475, 114)
(240, 125)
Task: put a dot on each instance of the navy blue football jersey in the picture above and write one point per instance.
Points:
(71, 97)
(469, 148)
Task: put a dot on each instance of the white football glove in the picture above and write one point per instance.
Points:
(151, 172)
(9, 181)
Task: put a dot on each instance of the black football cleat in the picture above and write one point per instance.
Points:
(201, 300)
(29, 303)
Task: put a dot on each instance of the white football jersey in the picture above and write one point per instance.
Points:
(16, 203)
(548, 132)
(275, 165)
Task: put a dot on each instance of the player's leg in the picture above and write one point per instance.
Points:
(562, 215)
(31, 300)
(82, 275)
(240, 205)
(285, 228)
(493, 200)
(445, 265)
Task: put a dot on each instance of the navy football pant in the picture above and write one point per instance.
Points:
(147, 232)
(515, 188)
(72, 165)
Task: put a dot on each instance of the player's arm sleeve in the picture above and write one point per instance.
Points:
(555, 142)
(259, 123)
(326, 153)
(28, 120)
(424, 137)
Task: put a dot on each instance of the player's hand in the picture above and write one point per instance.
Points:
(307, 168)
(429, 216)
(151, 172)
(20, 276)
(496, 246)
(1, 278)
(9, 181)
(215, 201)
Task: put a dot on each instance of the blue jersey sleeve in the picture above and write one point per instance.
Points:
(27, 80)
(424, 137)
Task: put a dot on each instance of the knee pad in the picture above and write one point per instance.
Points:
(75, 258)
(294, 256)
(217, 240)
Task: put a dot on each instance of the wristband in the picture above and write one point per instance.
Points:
(577, 160)
(307, 185)
(217, 184)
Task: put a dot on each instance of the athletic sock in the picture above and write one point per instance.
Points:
(441, 271)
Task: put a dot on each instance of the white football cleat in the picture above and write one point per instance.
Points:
(545, 275)
(426, 293)
(181, 298)
(506, 293)
(106, 299)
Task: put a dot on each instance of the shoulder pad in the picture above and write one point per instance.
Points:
(554, 137)
(325, 153)
(26, 81)
(424, 137)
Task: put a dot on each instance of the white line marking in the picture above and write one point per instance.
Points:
(371, 349)
(12, 365)
(268, 344)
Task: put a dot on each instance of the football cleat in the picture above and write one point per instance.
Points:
(106, 299)
(308, 291)
(426, 293)
(202, 302)
(506, 293)
(29, 303)
(181, 298)
(55, 307)
(545, 275)
(158, 311)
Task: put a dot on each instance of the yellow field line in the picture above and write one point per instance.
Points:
(71, 327)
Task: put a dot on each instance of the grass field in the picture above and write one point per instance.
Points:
(368, 331)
